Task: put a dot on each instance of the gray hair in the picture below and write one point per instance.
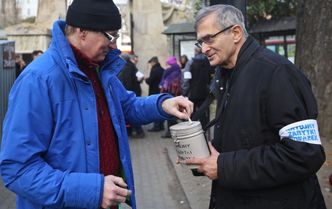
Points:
(69, 30)
(226, 15)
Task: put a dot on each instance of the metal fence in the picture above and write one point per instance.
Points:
(7, 75)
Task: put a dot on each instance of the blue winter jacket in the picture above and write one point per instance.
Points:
(49, 155)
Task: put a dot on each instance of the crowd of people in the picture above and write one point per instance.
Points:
(189, 78)
(65, 141)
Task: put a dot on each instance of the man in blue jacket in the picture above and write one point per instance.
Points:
(64, 138)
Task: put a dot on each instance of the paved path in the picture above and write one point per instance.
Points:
(324, 173)
(7, 198)
(157, 186)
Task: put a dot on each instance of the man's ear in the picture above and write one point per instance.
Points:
(237, 33)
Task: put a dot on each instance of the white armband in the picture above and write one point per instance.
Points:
(302, 131)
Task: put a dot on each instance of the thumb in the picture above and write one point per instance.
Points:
(212, 149)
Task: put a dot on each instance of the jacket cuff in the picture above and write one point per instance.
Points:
(160, 101)
(83, 190)
(101, 190)
(221, 169)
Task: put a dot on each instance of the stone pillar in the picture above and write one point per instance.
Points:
(148, 39)
(50, 10)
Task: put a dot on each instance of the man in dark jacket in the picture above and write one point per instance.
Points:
(130, 80)
(156, 73)
(153, 81)
(128, 75)
(266, 148)
(68, 147)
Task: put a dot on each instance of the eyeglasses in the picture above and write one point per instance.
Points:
(111, 38)
(210, 38)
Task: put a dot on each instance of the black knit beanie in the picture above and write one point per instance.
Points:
(97, 15)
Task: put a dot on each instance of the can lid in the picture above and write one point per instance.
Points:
(185, 128)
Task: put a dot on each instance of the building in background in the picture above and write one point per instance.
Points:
(142, 25)
(26, 8)
(277, 35)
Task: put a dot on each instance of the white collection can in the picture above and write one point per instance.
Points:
(189, 141)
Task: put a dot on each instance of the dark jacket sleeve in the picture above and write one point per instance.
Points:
(152, 77)
(290, 99)
(128, 78)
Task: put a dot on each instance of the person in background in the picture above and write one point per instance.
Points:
(266, 148)
(156, 73)
(19, 64)
(36, 53)
(64, 142)
(132, 83)
(134, 59)
(139, 74)
(171, 83)
(196, 80)
(183, 61)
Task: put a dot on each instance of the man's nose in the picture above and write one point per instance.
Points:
(112, 45)
(205, 48)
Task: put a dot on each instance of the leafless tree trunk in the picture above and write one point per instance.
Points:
(314, 54)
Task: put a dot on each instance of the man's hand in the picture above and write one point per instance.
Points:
(179, 106)
(208, 165)
(115, 191)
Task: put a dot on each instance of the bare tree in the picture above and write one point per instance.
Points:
(314, 54)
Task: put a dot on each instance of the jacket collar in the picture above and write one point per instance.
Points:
(112, 63)
(249, 47)
(82, 59)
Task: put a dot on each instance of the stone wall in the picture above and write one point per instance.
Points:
(29, 37)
